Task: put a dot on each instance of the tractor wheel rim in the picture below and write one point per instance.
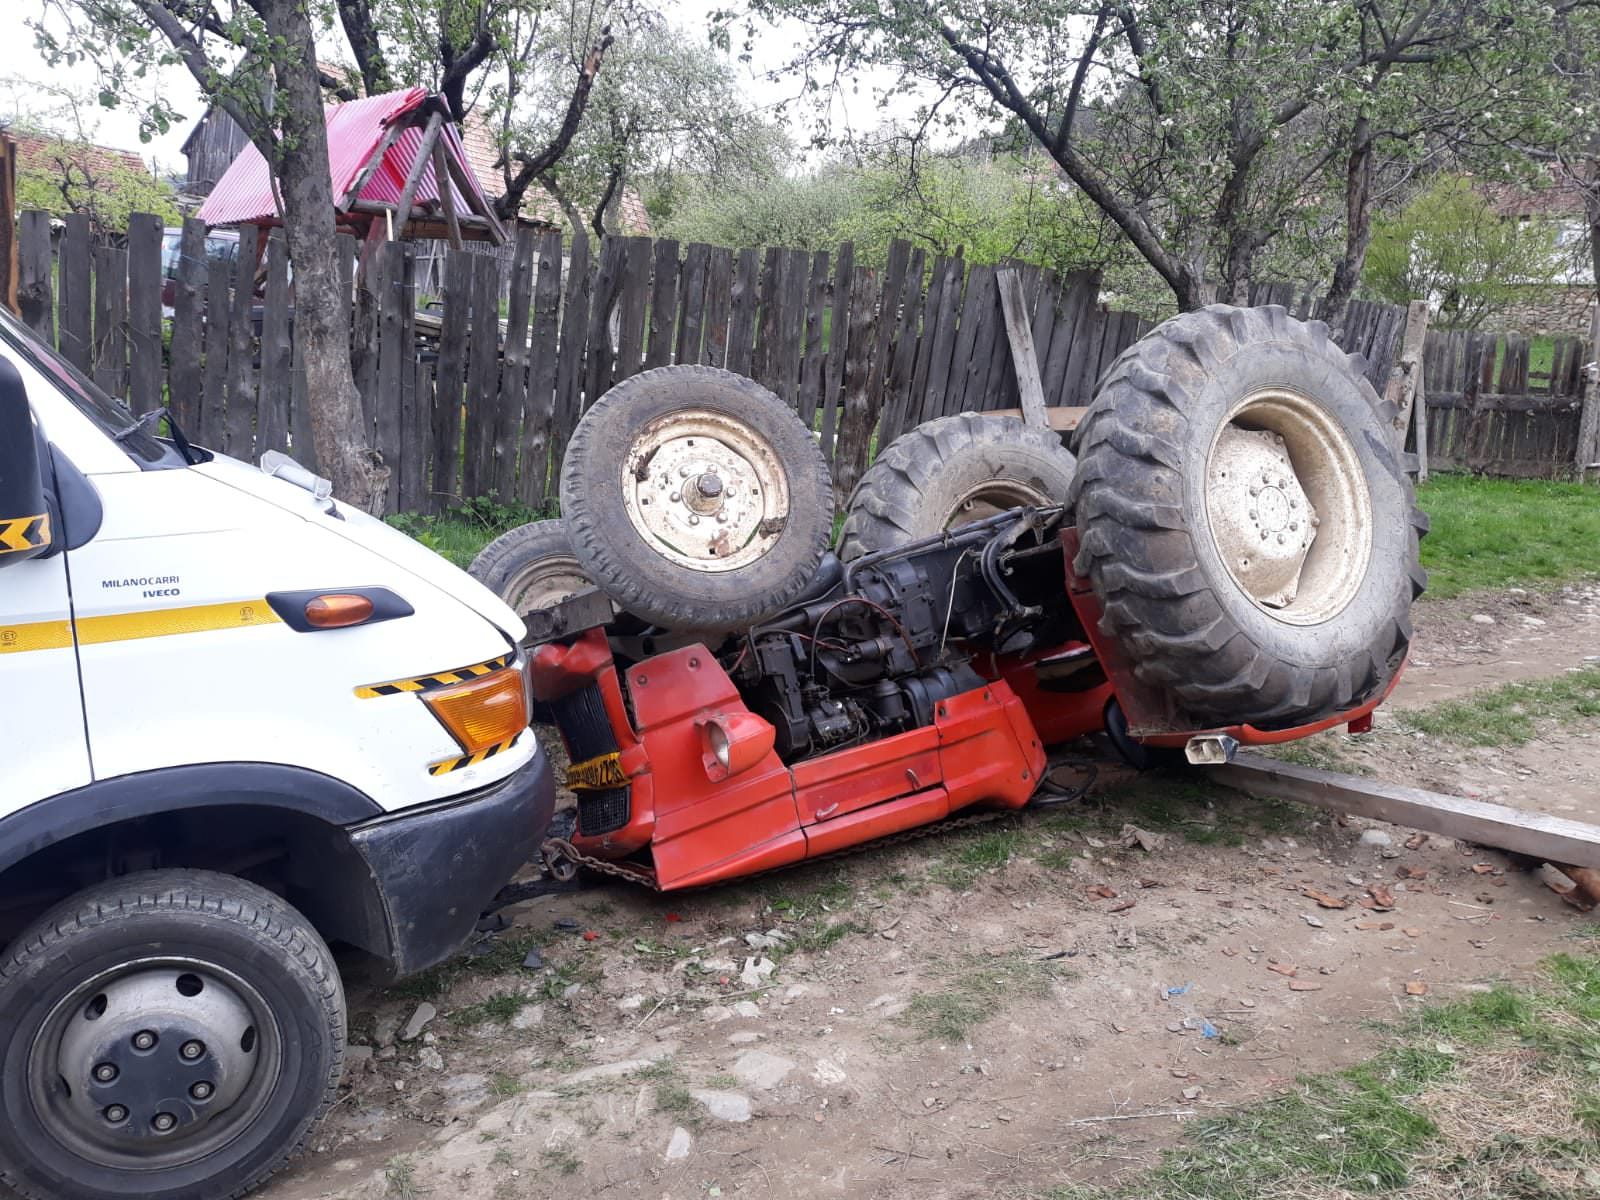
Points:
(705, 490)
(545, 583)
(1287, 506)
(991, 497)
(154, 1063)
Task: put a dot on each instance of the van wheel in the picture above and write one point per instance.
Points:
(167, 1034)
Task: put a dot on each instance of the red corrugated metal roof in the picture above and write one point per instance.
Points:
(355, 133)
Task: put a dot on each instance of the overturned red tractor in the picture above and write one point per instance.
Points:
(1229, 559)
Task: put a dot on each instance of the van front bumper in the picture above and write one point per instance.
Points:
(437, 866)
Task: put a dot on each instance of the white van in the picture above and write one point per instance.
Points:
(241, 722)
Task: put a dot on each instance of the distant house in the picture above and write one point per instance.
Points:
(212, 145)
(1567, 305)
(62, 176)
(539, 207)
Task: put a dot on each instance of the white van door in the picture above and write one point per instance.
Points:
(41, 705)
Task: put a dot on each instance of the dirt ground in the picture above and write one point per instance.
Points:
(998, 1012)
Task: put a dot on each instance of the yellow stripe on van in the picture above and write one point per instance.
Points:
(168, 622)
(36, 635)
(128, 627)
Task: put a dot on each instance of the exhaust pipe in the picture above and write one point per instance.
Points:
(1210, 749)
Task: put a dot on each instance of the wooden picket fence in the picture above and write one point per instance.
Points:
(478, 397)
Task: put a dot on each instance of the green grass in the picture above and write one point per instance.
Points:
(1494, 1095)
(974, 990)
(1511, 714)
(1490, 533)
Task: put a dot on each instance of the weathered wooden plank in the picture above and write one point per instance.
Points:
(110, 320)
(943, 366)
(188, 329)
(1043, 327)
(450, 377)
(769, 321)
(603, 302)
(1019, 334)
(210, 426)
(902, 367)
(932, 304)
(743, 301)
(535, 480)
(415, 490)
(838, 344)
(631, 308)
(971, 338)
(241, 399)
(76, 292)
(509, 436)
(568, 401)
(1079, 290)
(814, 362)
(719, 301)
(858, 413)
(35, 296)
(794, 275)
(410, 494)
(478, 471)
(145, 356)
(896, 268)
(663, 305)
(1536, 834)
(692, 303)
(272, 399)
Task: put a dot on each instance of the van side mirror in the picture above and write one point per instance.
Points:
(24, 517)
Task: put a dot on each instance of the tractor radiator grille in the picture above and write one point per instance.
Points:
(602, 811)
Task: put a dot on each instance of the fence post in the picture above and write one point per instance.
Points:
(1402, 385)
(1588, 455)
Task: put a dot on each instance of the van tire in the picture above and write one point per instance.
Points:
(219, 953)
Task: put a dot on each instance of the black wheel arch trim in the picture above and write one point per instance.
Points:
(171, 789)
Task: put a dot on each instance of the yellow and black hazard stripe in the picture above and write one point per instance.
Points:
(470, 760)
(24, 533)
(596, 774)
(131, 626)
(427, 683)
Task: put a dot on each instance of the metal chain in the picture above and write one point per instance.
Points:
(559, 851)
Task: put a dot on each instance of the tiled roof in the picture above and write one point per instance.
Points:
(538, 205)
(1553, 196)
(46, 156)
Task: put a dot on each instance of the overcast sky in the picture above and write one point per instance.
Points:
(26, 82)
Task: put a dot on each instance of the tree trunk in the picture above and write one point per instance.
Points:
(322, 308)
(1357, 223)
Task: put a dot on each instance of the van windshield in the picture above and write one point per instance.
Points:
(112, 417)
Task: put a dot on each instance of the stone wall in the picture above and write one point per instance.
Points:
(1555, 309)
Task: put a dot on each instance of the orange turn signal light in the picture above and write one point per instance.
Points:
(482, 712)
(335, 610)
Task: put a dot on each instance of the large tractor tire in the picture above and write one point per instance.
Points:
(1246, 520)
(950, 471)
(531, 567)
(696, 499)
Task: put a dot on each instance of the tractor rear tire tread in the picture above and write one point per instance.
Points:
(1137, 541)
